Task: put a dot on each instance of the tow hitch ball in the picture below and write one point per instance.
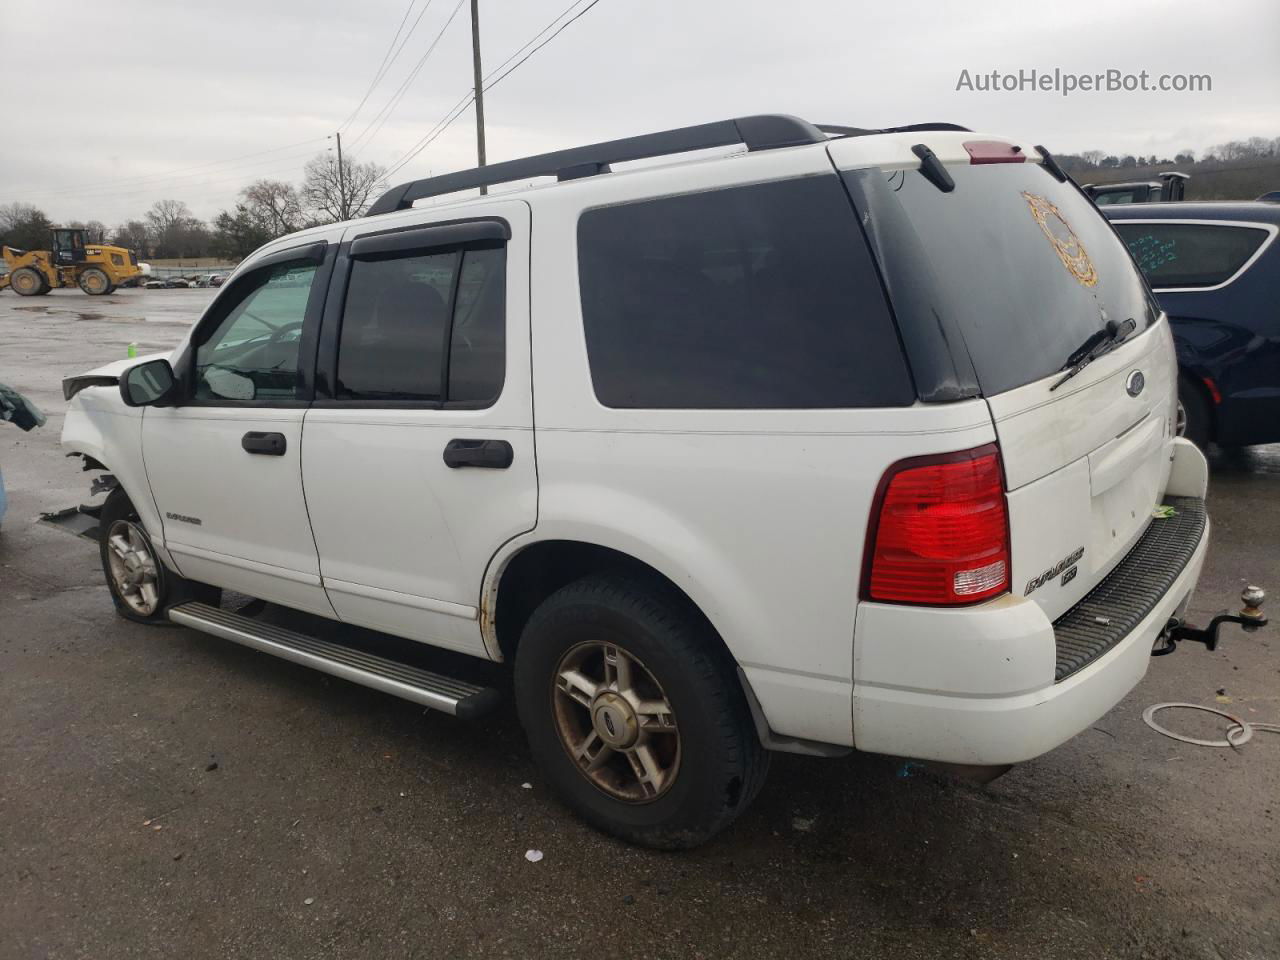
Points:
(1250, 618)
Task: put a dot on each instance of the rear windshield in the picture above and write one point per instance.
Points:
(1018, 267)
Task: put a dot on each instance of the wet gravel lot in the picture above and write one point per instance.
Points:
(164, 793)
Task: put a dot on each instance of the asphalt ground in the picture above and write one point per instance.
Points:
(165, 793)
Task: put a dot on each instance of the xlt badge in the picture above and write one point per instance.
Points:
(1057, 568)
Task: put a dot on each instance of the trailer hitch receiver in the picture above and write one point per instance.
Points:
(1249, 618)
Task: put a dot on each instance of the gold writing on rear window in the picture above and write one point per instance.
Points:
(1065, 242)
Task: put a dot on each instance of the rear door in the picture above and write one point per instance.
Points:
(1021, 270)
(418, 454)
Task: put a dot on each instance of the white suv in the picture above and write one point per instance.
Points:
(850, 439)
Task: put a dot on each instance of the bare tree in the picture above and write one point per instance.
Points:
(164, 214)
(133, 236)
(175, 231)
(331, 197)
(24, 226)
(1259, 147)
(1092, 157)
(95, 231)
(274, 205)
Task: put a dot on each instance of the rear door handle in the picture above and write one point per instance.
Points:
(490, 454)
(266, 444)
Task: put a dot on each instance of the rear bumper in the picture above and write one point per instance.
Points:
(977, 686)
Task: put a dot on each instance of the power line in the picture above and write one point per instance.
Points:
(559, 30)
(502, 71)
(468, 97)
(387, 59)
(381, 117)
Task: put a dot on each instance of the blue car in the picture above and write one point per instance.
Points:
(1215, 268)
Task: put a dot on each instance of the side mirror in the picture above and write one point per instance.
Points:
(147, 383)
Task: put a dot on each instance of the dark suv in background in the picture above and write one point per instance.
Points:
(1215, 268)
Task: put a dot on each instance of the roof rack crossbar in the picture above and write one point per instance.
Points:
(761, 132)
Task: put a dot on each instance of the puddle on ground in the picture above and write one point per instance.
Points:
(1244, 461)
(89, 316)
(38, 308)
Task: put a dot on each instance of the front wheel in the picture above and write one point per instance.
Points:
(634, 713)
(27, 282)
(142, 589)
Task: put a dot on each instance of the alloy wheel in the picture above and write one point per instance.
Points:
(135, 572)
(615, 722)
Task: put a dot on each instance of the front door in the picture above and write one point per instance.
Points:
(225, 463)
(418, 456)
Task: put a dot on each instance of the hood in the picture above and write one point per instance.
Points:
(107, 375)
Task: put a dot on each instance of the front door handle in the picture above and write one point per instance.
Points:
(491, 454)
(266, 444)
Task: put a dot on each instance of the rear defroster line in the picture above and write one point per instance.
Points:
(1239, 733)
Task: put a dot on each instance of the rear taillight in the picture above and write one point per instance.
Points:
(940, 531)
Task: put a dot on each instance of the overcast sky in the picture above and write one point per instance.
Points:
(112, 114)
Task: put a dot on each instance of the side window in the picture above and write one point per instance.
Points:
(252, 354)
(477, 348)
(759, 297)
(404, 313)
(1190, 254)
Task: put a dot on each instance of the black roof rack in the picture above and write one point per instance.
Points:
(760, 132)
(763, 132)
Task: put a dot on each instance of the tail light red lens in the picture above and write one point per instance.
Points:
(941, 531)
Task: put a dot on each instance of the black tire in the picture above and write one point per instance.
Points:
(1194, 417)
(94, 281)
(27, 282)
(118, 516)
(720, 764)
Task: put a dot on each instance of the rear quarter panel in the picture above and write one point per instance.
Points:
(759, 516)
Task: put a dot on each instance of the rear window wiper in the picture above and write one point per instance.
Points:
(1097, 343)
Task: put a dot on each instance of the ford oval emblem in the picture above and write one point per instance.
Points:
(1133, 386)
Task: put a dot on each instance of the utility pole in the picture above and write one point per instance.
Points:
(342, 182)
(475, 61)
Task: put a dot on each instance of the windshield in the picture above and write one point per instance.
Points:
(1021, 268)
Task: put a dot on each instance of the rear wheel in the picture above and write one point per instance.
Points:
(1193, 414)
(142, 589)
(95, 282)
(27, 282)
(634, 714)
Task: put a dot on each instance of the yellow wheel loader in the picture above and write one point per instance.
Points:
(93, 267)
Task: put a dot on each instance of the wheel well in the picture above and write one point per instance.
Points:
(541, 569)
(1195, 382)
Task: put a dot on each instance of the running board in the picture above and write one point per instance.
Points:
(457, 697)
